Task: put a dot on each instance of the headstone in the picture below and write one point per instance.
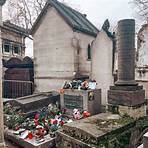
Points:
(83, 100)
(35, 102)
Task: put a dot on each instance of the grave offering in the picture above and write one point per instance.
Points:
(34, 131)
(81, 85)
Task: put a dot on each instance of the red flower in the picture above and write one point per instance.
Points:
(86, 114)
(55, 122)
(37, 116)
(30, 135)
(36, 122)
(62, 123)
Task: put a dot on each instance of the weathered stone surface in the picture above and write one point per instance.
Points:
(126, 52)
(126, 88)
(80, 99)
(35, 102)
(92, 131)
(66, 141)
(126, 92)
(134, 112)
(126, 98)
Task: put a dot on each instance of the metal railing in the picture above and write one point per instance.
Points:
(15, 88)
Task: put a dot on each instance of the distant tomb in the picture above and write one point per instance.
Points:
(18, 77)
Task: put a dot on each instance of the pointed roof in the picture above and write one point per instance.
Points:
(75, 19)
(17, 29)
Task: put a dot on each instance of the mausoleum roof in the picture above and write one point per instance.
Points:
(75, 19)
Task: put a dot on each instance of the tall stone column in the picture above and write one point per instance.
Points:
(2, 143)
(126, 52)
(126, 95)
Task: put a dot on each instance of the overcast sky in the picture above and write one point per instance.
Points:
(99, 10)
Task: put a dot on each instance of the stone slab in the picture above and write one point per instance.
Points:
(36, 101)
(80, 99)
(87, 130)
(126, 98)
(26, 143)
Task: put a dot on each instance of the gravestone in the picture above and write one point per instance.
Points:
(33, 103)
(126, 95)
(84, 100)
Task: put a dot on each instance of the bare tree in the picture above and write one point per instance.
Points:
(24, 12)
(142, 8)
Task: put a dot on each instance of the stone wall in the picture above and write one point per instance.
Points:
(16, 38)
(84, 62)
(55, 51)
(142, 58)
(10, 35)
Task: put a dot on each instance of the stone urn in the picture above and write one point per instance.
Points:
(2, 2)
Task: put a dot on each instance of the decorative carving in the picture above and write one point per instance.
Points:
(106, 25)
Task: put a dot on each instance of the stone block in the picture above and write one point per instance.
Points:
(126, 88)
(36, 102)
(89, 100)
(126, 98)
(135, 112)
(97, 131)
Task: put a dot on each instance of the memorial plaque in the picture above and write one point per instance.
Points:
(72, 102)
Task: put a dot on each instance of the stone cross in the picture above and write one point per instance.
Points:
(2, 143)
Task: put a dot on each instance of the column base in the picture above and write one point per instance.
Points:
(126, 95)
(128, 100)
